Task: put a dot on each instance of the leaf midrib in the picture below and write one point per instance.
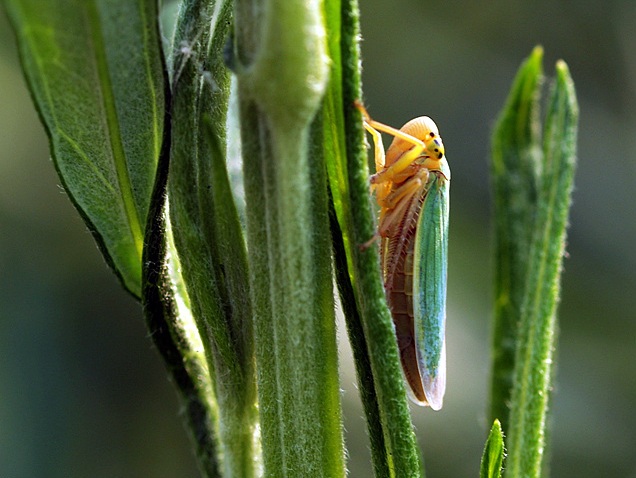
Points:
(113, 130)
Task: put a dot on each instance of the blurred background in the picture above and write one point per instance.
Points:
(83, 393)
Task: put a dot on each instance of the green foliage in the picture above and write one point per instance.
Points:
(529, 271)
(96, 77)
(205, 224)
(516, 157)
(141, 150)
(172, 328)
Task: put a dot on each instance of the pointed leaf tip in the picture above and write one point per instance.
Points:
(494, 453)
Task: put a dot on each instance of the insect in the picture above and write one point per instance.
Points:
(411, 185)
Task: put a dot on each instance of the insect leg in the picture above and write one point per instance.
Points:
(378, 146)
(374, 127)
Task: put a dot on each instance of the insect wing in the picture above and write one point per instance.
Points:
(429, 289)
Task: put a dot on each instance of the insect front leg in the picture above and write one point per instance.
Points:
(407, 189)
(375, 128)
(378, 146)
(394, 171)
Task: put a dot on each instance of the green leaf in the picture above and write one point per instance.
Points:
(494, 453)
(206, 226)
(533, 185)
(536, 338)
(282, 69)
(95, 73)
(369, 324)
(516, 162)
(171, 325)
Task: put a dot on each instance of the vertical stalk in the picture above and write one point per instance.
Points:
(282, 70)
(371, 333)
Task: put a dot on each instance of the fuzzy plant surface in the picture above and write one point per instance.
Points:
(242, 312)
(532, 166)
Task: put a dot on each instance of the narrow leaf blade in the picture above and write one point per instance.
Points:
(537, 331)
(206, 227)
(172, 327)
(515, 166)
(393, 442)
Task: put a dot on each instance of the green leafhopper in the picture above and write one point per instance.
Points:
(411, 185)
